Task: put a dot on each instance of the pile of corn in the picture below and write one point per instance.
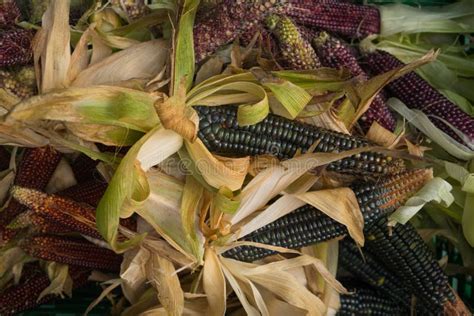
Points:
(241, 157)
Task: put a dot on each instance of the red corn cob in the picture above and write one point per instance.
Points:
(37, 167)
(73, 251)
(228, 20)
(84, 168)
(24, 296)
(9, 13)
(335, 53)
(78, 217)
(15, 47)
(416, 93)
(89, 192)
(12, 210)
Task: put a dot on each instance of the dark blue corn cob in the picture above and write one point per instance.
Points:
(367, 301)
(335, 53)
(405, 253)
(416, 93)
(281, 137)
(307, 225)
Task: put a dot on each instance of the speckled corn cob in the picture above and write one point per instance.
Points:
(307, 225)
(405, 253)
(228, 20)
(350, 20)
(416, 93)
(9, 13)
(219, 131)
(15, 47)
(367, 301)
(84, 168)
(134, 9)
(334, 53)
(73, 251)
(296, 51)
(14, 86)
(78, 217)
(89, 192)
(24, 296)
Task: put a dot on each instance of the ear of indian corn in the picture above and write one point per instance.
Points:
(367, 301)
(296, 51)
(4, 158)
(417, 93)
(134, 9)
(349, 20)
(15, 47)
(226, 21)
(15, 86)
(24, 296)
(278, 136)
(84, 168)
(73, 251)
(89, 192)
(307, 225)
(78, 217)
(405, 253)
(334, 53)
(9, 13)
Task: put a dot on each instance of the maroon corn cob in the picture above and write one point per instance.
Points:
(15, 47)
(349, 20)
(89, 192)
(335, 53)
(84, 168)
(9, 13)
(36, 167)
(73, 251)
(416, 93)
(228, 20)
(24, 296)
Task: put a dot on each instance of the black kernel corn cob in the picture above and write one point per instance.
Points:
(24, 296)
(349, 20)
(9, 13)
(69, 250)
(226, 21)
(15, 47)
(405, 253)
(367, 301)
(416, 93)
(296, 51)
(78, 217)
(15, 86)
(220, 132)
(334, 53)
(34, 171)
(307, 225)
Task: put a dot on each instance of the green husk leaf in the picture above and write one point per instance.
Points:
(184, 47)
(292, 97)
(423, 123)
(436, 190)
(190, 207)
(225, 201)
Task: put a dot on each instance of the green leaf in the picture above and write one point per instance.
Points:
(292, 97)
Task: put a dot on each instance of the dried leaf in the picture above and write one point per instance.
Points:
(61, 282)
(214, 284)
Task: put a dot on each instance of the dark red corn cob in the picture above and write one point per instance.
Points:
(37, 166)
(349, 20)
(89, 192)
(227, 21)
(12, 210)
(334, 53)
(4, 158)
(416, 93)
(15, 47)
(24, 296)
(78, 217)
(73, 251)
(9, 13)
(84, 168)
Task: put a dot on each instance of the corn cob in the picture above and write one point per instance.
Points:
(36, 167)
(15, 47)
(4, 158)
(220, 132)
(335, 53)
(89, 192)
(134, 9)
(296, 51)
(70, 250)
(78, 217)
(24, 296)
(9, 13)
(404, 252)
(307, 225)
(349, 20)
(84, 168)
(227, 21)
(14, 86)
(416, 93)
(367, 301)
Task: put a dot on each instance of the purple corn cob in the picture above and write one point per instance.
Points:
(335, 53)
(15, 47)
(9, 13)
(350, 20)
(416, 93)
(228, 20)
